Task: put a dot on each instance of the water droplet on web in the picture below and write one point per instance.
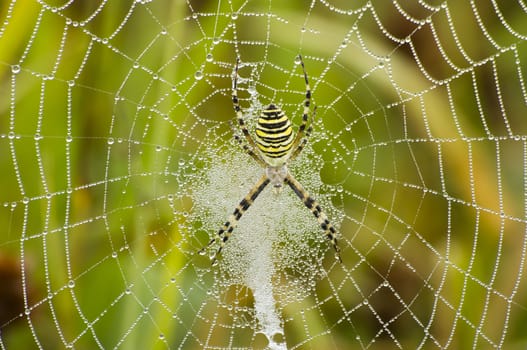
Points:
(298, 60)
(110, 141)
(209, 57)
(15, 69)
(234, 16)
(69, 138)
(278, 337)
(198, 75)
(71, 284)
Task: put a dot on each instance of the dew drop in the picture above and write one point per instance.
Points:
(110, 140)
(209, 57)
(198, 75)
(15, 69)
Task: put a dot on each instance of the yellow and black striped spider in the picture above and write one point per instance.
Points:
(274, 147)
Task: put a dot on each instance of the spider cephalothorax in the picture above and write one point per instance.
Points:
(273, 147)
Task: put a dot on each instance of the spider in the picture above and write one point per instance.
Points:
(274, 147)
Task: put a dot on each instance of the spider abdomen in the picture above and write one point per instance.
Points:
(274, 135)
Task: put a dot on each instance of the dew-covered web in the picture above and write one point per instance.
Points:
(119, 164)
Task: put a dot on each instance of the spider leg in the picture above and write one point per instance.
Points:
(248, 149)
(225, 231)
(315, 208)
(305, 115)
(239, 116)
(301, 145)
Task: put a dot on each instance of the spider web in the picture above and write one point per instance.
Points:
(119, 164)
